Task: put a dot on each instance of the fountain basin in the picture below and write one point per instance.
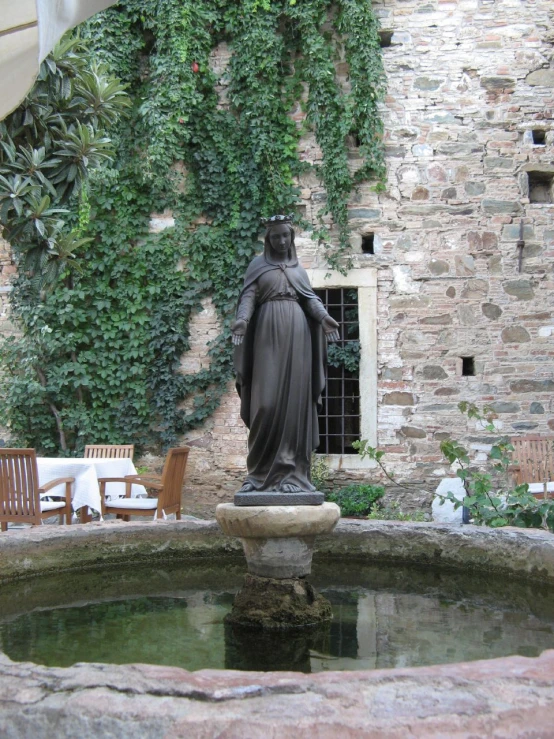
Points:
(512, 696)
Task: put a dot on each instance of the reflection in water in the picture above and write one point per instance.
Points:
(274, 649)
(383, 617)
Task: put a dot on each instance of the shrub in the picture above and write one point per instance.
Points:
(489, 502)
(319, 472)
(392, 512)
(356, 500)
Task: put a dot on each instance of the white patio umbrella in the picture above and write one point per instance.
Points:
(29, 29)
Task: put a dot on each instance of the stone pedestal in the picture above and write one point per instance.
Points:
(277, 540)
(278, 544)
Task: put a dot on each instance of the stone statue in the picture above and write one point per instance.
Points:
(280, 336)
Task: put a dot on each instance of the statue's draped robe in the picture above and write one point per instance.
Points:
(280, 372)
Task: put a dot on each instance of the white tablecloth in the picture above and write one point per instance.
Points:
(86, 490)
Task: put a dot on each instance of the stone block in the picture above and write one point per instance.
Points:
(502, 406)
(512, 232)
(434, 372)
(497, 83)
(541, 78)
(520, 289)
(422, 150)
(428, 84)
(371, 214)
(438, 267)
(466, 315)
(465, 265)
(443, 319)
(482, 240)
(398, 398)
(532, 386)
(491, 311)
(515, 335)
(412, 432)
(400, 37)
(536, 409)
(524, 426)
(420, 193)
(494, 163)
(499, 207)
(456, 148)
(474, 188)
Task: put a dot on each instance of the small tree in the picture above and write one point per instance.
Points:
(48, 146)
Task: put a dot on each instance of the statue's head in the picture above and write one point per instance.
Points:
(279, 237)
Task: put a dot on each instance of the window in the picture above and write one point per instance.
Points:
(468, 366)
(540, 186)
(339, 420)
(539, 137)
(368, 243)
(362, 282)
(385, 39)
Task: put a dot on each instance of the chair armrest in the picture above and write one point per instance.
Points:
(147, 482)
(112, 479)
(55, 483)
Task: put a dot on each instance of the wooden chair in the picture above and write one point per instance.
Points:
(109, 451)
(534, 463)
(20, 494)
(168, 486)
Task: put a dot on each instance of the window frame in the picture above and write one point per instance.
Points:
(364, 280)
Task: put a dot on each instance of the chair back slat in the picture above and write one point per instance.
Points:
(19, 496)
(172, 477)
(109, 451)
(534, 455)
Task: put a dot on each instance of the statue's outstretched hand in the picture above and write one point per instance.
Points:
(331, 328)
(239, 329)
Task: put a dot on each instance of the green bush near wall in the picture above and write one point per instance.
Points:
(356, 500)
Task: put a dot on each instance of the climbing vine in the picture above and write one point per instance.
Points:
(217, 146)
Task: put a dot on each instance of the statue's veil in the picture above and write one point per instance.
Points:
(292, 259)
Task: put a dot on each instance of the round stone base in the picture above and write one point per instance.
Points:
(278, 540)
(267, 603)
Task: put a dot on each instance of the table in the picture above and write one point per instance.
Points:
(85, 489)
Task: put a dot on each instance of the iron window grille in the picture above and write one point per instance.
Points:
(339, 419)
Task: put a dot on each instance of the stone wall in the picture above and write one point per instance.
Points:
(468, 82)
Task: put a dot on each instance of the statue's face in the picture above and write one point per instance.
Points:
(280, 238)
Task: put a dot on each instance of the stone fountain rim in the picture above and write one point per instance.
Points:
(514, 694)
(515, 552)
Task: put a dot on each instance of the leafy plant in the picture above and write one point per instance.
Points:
(392, 512)
(48, 147)
(356, 500)
(347, 355)
(366, 451)
(319, 472)
(488, 501)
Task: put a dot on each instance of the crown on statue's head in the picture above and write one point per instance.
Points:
(274, 220)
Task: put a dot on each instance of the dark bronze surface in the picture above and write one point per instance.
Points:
(280, 336)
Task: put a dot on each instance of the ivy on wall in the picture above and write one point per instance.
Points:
(218, 157)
